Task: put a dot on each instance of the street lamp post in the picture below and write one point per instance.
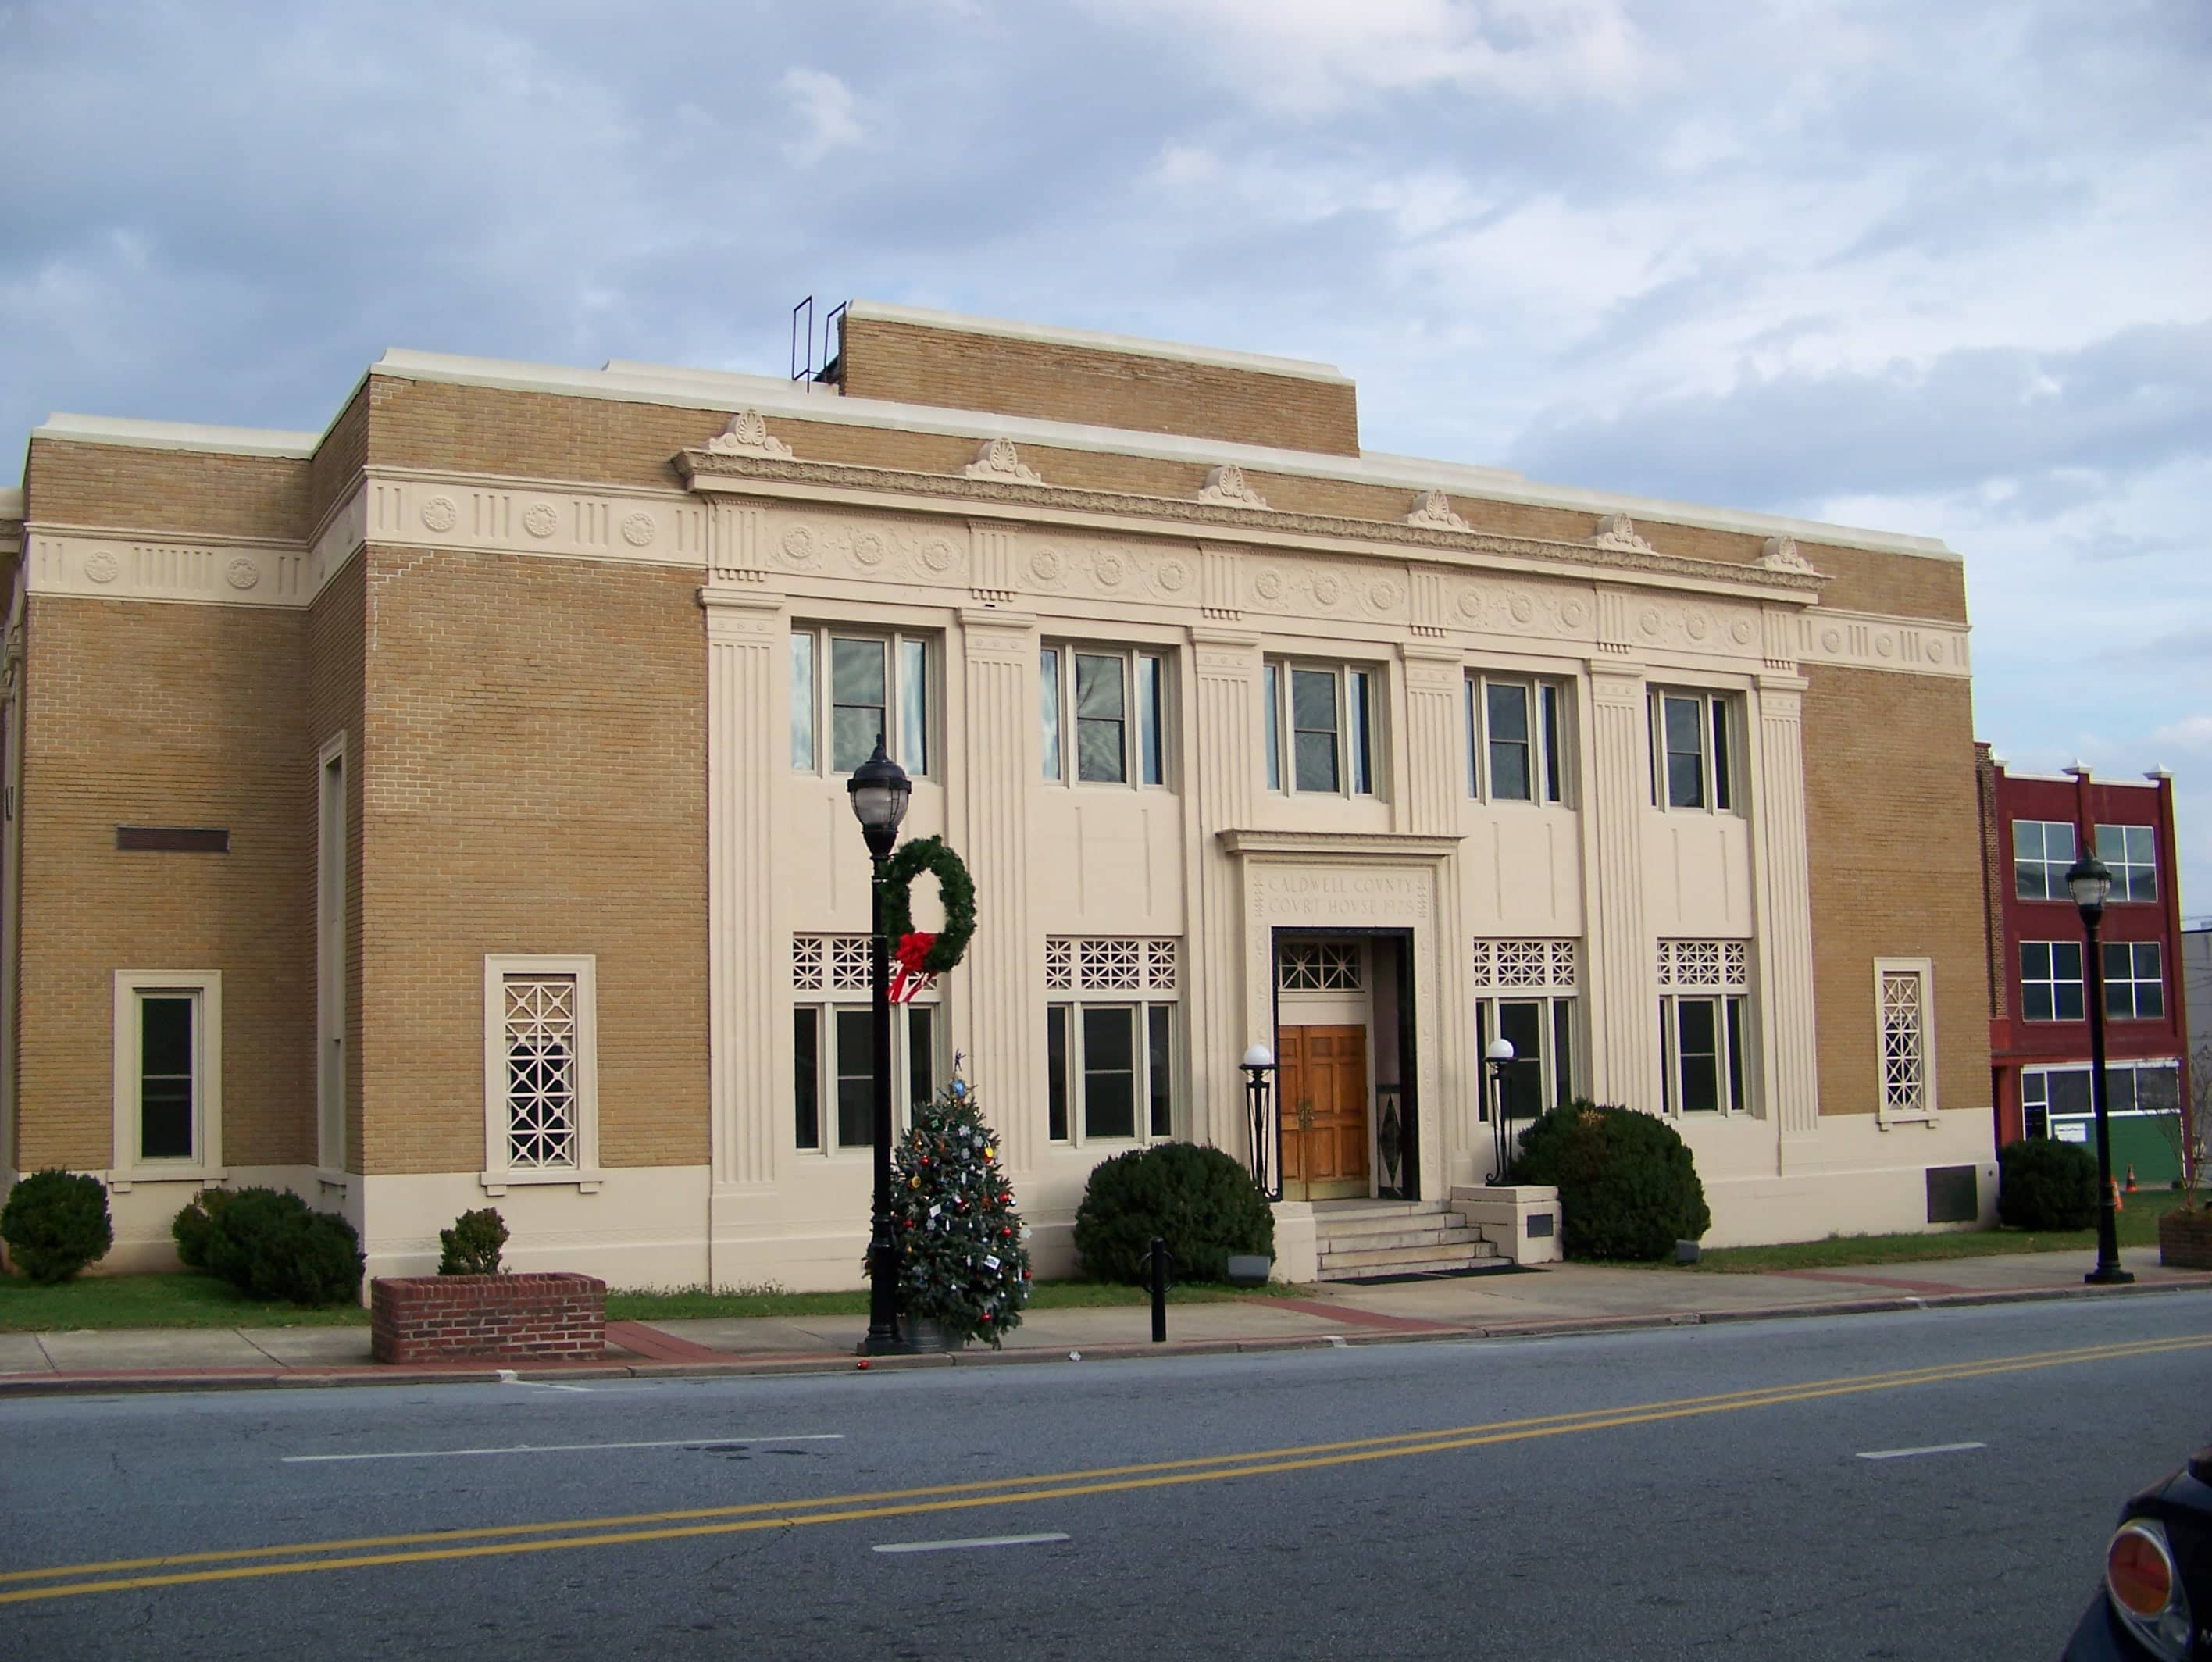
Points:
(1259, 1062)
(878, 790)
(1497, 1057)
(2090, 883)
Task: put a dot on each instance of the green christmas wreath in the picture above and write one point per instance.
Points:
(954, 886)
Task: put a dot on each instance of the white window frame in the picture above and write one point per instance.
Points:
(827, 978)
(2128, 873)
(1719, 777)
(1718, 972)
(2051, 873)
(2079, 981)
(1278, 722)
(2132, 981)
(1140, 973)
(1549, 769)
(1544, 973)
(906, 725)
(205, 1165)
(499, 1174)
(1145, 731)
(1924, 1111)
(330, 874)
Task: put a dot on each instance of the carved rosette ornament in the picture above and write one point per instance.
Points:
(1432, 511)
(747, 434)
(1780, 555)
(1617, 530)
(1225, 485)
(998, 460)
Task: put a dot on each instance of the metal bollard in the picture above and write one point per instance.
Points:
(1159, 1291)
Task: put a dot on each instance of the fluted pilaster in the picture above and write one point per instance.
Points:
(1224, 765)
(1435, 793)
(1783, 896)
(1000, 982)
(1624, 1021)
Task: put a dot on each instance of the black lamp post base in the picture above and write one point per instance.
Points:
(2109, 1275)
(873, 1346)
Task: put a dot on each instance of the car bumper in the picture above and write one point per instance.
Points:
(2098, 1637)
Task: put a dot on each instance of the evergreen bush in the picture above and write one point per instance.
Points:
(2044, 1184)
(193, 1222)
(1628, 1188)
(1201, 1202)
(471, 1247)
(56, 1222)
(270, 1243)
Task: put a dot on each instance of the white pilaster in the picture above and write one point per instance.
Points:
(1436, 794)
(1222, 764)
(1624, 1019)
(1782, 891)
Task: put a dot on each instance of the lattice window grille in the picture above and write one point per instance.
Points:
(1708, 966)
(1059, 964)
(1903, 1057)
(1322, 966)
(1111, 963)
(807, 975)
(541, 1071)
(1161, 960)
(852, 965)
(1537, 966)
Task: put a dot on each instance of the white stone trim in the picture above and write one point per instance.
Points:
(1922, 970)
(498, 1175)
(206, 1166)
(1872, 640)
(177, 436)
(120, 566)
(1093, 340)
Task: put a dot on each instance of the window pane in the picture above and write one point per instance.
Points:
(2159, 1089)
(1508, 710)
(165, 1077)
(856, 683)
(1698, 1054)
(2070, 1004)
(1686, 781)
(2034, 961)
(802, 702)
(1474, 744)
(1159, 1071)
(1734, 1008)
(1563, 1051)
(856, 1078)
(1099, 713)
(2069, 1090)
(1152, 745)
(1049, 701)
(1098, 756)
(1552, 788)
(914, 706)
(1271, 682)
(921, 1054)
(1686, 756)
(1362, 712)
(1722, 793)
(1055, 1052)
(2066, 960)
(1313, 701)
(2035, 1002)
(1109, 1072)
(1521, 1023)
(806, 1077)
(1098, 686)
(2119, 1090)
(1316, 761)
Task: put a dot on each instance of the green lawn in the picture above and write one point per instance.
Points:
(2138, 1227)
(196, 1300)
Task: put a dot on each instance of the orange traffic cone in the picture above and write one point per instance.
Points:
(2131, 1177)
(2118, 1205)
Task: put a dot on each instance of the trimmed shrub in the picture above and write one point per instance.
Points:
(471, 1247)
(56, 1222)
(1200, 1201)
(193, 1222)
(270, 1243)
(1628, 1188)
(2044, 1184)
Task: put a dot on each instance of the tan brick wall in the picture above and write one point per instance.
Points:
(534, 779)
(1893, 832)
(143, 714)
(338, 459)
(910, 363)
(337, 624)
(133, 489)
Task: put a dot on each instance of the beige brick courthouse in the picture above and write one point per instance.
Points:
(448, 809)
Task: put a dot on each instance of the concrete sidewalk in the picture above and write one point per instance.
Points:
(1563, 1298)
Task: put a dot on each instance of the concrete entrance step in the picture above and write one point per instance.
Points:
(1410, 1260)
(1454, 1234)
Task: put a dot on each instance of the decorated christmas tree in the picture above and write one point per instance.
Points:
(964, 1260)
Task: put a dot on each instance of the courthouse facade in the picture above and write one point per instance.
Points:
(448, 809)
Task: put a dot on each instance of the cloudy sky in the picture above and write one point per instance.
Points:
(1936, 268)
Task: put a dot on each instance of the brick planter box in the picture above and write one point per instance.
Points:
(2185, 1240)
(555, 1316)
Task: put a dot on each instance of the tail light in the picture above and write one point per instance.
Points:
(2145, 1592)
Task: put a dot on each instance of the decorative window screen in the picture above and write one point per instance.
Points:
(541, 1071)
(832, 963)
(1529, 966)
(1110, 963)
(1319, 967)
(1903, 1054)
(1705, 965)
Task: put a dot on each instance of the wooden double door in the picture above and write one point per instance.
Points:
(1322, 1084)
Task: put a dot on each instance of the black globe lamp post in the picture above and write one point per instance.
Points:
(1497, 1057)
(878, 790)
(2089, 882)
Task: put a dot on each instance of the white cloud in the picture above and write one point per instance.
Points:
(823, 105)
(2190, 733)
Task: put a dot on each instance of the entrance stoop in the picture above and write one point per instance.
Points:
(1356, 1239)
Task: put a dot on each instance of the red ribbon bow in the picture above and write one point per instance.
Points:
(909, 977)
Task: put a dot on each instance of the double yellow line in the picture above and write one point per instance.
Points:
(299, 1558)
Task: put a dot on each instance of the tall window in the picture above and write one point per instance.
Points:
(1525, 994)
(2134, 991)
(1703, 1036)
(541, 1071)
(1320, 728)
(833, 1044)
(2042, 851)
(2132, 852)
(2055, 1102)
(1692, 750)
(1108, 709)
(875, 685)
(1110, 1038)
(1905, 1015)
(1514, 739)
(2051, 981)
(168, 1071)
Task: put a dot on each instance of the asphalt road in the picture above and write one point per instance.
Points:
(1698, 1492)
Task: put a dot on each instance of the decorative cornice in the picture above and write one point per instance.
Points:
(1357, 845)
(747, 434)
(1432, 511)
(1781, 555)
(997, 459)
(1870, 640)
(1617, 530)
(1226, 484)
(707, 474)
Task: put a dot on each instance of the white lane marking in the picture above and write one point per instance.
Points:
(564, 1448)
(1907, 1454)
(961, 1546)
(508, 1376)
